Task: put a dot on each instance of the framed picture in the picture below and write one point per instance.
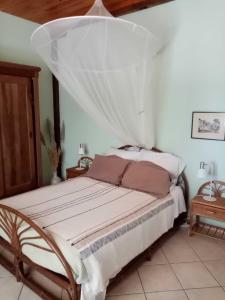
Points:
(208, 125)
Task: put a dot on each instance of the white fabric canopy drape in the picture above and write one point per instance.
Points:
(106, 64)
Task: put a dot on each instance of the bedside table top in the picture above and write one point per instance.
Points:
(76, 169)
(219, 203)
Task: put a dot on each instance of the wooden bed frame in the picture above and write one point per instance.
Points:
(14, 225)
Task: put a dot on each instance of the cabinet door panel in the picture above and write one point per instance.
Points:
(1, 169)
(17, 134)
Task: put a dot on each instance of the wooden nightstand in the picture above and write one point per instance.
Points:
(211, 210)
(74, 172)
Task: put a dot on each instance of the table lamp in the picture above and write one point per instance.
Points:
(80, 152)
(203, 173)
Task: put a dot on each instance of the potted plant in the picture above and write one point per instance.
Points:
(53, 151)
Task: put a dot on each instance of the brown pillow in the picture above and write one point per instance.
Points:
(108, 168)
(147, 177)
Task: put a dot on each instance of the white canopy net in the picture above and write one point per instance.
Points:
(105, 63)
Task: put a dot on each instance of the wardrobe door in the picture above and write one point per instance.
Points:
(1, 171)
(17, 134)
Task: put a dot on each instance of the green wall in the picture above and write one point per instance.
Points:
(190, 76)
(15, 47)
(80, 128)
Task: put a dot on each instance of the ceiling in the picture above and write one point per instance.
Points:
(42, 11)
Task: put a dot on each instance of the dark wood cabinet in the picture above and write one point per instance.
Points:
(1, 175)
(20, 158)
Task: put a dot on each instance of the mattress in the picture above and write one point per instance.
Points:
(99, 227)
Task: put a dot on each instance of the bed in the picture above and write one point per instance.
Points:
(82, 232)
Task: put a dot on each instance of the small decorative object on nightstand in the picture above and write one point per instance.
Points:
(81, 168)
(212, 210)
(80, 152)
(205, 171)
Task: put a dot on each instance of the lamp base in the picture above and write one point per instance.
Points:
(208, 198)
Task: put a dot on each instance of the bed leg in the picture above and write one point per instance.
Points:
(19, 269)
(148, 254)
(73, 292)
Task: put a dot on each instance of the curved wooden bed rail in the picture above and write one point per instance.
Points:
(15, 225)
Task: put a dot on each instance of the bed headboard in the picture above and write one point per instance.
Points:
(182, 181)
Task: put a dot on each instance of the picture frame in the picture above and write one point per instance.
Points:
(208, 125)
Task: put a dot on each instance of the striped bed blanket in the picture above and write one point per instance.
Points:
(92, 217)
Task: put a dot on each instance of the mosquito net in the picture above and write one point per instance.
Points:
(105, 63)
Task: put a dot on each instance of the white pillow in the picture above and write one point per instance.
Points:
(132, 155)
(173, 164)
(133, 148)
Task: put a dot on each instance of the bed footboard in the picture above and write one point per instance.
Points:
(14, 228)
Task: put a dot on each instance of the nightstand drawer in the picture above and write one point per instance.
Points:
(207, 211)
(74, 172)
(71, 174)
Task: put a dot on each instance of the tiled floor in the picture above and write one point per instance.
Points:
(183, 268)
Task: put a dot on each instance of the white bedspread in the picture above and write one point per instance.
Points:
(99, 227)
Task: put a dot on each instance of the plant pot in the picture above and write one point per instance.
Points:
(55, 178)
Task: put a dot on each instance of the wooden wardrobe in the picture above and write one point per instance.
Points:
(20, 148)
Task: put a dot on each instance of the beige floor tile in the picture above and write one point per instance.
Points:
(9, 288)
(193, 275)
(158, 278)
(206, 294)
(221, 243)
(46, 284)
(179, 252)
(217, 268)
(183, 232)
(28, 294)
(158, 258)
(127, 297)
(130, 284)
(171, 295)
(4, 272)
(184, 229)
(176, 238)
(207, 249)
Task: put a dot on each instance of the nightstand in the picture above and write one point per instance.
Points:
(74, 172)
(211, 210)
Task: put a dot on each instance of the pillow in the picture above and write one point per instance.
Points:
(131, 155)
(108, 168)
(147, 177)
(134, 148)
(173, 164)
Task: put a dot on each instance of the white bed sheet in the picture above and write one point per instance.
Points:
(95, 271)
(108, 261)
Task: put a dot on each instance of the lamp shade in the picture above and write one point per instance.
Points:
(202, 173)
(81, 149)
